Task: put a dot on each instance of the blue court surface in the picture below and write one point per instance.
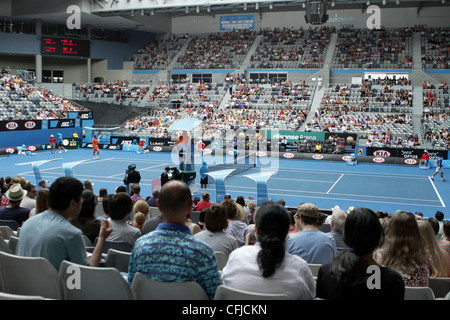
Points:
(382, 187)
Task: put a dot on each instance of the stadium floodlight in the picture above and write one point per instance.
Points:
(316, 12)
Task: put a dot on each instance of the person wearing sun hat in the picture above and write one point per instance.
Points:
(13, 211)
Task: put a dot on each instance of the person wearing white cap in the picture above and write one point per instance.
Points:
(13, 211)
(52, 144)
(424, 160)
(141, 146)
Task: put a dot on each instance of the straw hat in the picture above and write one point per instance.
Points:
(15, 192)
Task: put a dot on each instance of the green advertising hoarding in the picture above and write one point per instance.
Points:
(293, 136)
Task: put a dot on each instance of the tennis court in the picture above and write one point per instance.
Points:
(325, 183)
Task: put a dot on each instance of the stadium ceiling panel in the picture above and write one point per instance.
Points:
(211, 7)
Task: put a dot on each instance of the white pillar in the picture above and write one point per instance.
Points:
(89, 62)
(38, 57)
(89, 70)
(38, 67)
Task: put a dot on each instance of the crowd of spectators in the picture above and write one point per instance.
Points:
(278, 94)
(20, 100)
(270, 244)
(435, 97)
(217, 50)
(216, 122)
(435, 47)
(118, 91)
(366, 48)
(158, 54)
(390, 81)
(370, 112)
(189, 94)
(436, 128)
(292, 48)
(331, 119)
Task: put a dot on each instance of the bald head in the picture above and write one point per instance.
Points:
(175, 199)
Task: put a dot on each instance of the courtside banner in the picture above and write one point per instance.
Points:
(20, 125)
(405, 153)
(294, 136)
(61, 123)
(153, 142)
(163, 142)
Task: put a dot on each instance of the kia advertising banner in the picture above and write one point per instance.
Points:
(20, 125)
(403, 153)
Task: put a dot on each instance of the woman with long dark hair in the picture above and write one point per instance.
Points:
(354, 274)
(266, 267)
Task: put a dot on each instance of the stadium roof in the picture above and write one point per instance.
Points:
(151, 15)
(212, 7)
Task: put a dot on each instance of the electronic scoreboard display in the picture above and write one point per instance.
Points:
(65, 47)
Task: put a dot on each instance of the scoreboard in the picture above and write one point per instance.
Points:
(65, 47)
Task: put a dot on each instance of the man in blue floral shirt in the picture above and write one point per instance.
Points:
(170, 253)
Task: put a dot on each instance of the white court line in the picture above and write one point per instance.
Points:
(406, 176)
(383, 197)
(335, 183)
(60, 167)
(332, 198)
(134, 160)
(299, 192)
(437, 193)
(286, 179)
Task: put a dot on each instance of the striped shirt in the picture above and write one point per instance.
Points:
(172, 254)
(444, 245)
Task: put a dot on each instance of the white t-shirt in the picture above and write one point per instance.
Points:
(28, 202)
(293, 277)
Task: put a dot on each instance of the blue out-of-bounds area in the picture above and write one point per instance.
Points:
(382, 187)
